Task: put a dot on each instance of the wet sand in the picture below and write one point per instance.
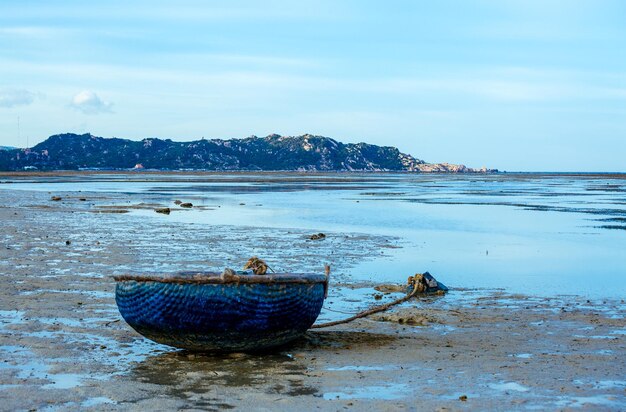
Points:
(65, 346)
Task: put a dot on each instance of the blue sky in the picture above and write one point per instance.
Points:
(515, 85)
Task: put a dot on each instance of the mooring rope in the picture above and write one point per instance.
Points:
(259, 267)
(418, 287)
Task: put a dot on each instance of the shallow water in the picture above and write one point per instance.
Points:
(532, 234)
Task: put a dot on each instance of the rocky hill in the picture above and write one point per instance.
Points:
(274, 152)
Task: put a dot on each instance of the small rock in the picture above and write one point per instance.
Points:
(163, 210)
(56, 198)
(82, 199)
(68, 242)
(178, 202)
(187, 205)
(318, 236)
(463, 398)
(378, 296)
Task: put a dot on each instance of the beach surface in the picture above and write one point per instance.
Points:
(64, 345)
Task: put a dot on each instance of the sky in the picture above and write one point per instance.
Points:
(514, 85)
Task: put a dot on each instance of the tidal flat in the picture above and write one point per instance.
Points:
(534, 318)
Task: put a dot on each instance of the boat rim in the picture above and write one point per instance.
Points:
(199, 278)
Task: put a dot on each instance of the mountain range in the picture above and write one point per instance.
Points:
(274, 152)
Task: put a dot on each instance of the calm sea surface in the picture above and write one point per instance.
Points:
(527, 233)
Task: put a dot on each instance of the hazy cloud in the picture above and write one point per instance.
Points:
(16, 97)
(89, 102)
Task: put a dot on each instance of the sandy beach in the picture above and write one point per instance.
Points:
(64, 345)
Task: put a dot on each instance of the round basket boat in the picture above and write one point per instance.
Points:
(221, 313)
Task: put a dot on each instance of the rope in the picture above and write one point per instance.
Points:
(258, 266)
(418, 287)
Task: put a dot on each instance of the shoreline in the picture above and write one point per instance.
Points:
(312, 173)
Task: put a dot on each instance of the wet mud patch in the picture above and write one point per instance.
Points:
(343, 340)
(407, 316)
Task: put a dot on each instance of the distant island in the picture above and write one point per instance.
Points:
(271, 153)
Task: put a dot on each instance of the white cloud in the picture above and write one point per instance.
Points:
(16, 97)
(89, 102)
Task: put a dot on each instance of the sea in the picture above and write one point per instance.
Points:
(540, 234)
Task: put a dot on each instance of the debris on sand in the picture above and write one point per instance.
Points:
(408, 316)
(163, 210)
(426, 283)
(258, 266)
(178, 202)
(390, 288)
(187, 205)
(56, 198)
(318, 236)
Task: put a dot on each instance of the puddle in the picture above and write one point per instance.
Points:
(32, 370)
(74, 322)
(508, 386)
(101, 400)
(64, 381)
(62, 321)
(384, 392)
(93, 293)
(580, 401)
(363, 368)
(11, 317)
(608, 384)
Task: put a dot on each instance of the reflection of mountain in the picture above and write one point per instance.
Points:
(274, 152)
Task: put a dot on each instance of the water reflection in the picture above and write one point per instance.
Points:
(537, 234)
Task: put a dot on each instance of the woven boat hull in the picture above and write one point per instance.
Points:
(214, 314)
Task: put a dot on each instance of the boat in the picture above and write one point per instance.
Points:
(213, 312)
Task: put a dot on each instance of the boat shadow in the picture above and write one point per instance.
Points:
(333, 340)
(183, 374)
